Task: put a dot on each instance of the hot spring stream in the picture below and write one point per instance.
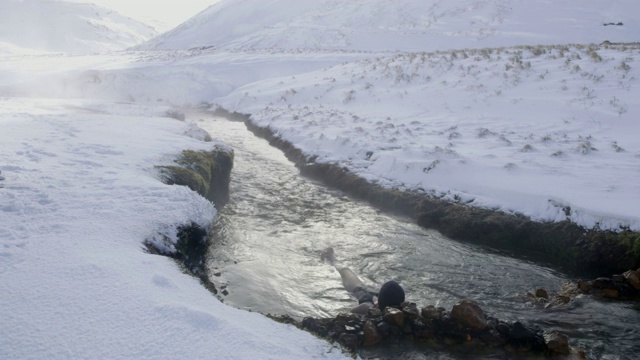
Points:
(266, 248)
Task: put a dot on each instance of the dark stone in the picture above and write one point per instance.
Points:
(383, 327)
(371, 335)
(603, 283)
(432, 313)
(394, 317)
(542, 293)
(374, 313)
(493, 337)
(525, 338)
(557, 343)
(411, 311)
(584, 286)
(618, 278)
(470, 314)
(350, 341)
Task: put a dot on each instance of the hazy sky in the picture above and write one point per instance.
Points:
(169, 12)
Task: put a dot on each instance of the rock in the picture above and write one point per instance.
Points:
(411, 311)
(633, 278)
(557, 342)
(603, 283)
(350, 341)
(394, 316)
(610, 293)
(542, 293)
(371, 335)
(493, 337)
(432, 313)
(383, 328)
(374, 313)
(525, 338)
(618, 278)
(470, 314)
(559, 300)
(584, 286)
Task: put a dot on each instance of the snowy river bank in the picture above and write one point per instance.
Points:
(266, 243)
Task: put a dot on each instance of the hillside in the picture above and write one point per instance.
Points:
(408, 25)
(58, 26)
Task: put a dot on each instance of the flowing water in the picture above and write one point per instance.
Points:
(267, 241)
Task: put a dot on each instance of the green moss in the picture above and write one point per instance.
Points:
(206, 172)
(176, 175)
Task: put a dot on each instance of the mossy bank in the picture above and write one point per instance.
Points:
(208, 173)
(565, 244)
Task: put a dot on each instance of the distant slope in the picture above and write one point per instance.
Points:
(67, 27)
(408, 25)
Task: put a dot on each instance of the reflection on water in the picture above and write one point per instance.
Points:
(267, 241)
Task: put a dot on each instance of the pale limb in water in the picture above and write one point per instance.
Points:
(392, 293)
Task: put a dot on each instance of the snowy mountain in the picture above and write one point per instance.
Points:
(408, 25)
(60, 26)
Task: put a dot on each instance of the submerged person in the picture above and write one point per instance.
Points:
(390, 294)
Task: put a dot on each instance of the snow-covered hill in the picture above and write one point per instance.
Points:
(408, 25)
(59, 26)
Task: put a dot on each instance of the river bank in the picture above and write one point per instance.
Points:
(565, 244)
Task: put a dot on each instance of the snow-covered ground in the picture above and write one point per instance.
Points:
(80, 196)
(59, 26)
(546, 131)
(401, 25)
(536, 131)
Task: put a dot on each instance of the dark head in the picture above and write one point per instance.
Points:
(391, 294)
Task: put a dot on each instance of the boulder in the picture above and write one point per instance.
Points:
(411, 310)
(603, 283)
(584, 286)
(394, 316)
(371, 335)
(350, 341)
(470, 314)
(542, 293)
(430, 312)
(557, 342)
(633, 278)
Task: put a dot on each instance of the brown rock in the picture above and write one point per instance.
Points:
(557, 342)
(470, 314)
(371, 335)
(394, 316)
(584, 286)
(542, 293)
(633, 278)
(432, 313)
(611, 293)
(411, 310)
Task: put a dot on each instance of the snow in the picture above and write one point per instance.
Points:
(403, 25)
(80, 197)
(436, 96)
(59, 26)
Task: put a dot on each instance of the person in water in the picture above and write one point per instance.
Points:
(390, 294)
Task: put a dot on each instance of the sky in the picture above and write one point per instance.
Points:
(163, 15)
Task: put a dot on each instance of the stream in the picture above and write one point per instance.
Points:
(266, 245)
